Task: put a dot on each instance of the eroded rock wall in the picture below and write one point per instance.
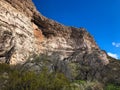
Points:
(24, 31)
(16, 34)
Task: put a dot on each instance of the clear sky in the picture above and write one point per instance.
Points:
(100, 17)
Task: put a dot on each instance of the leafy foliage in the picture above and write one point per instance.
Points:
(32, 81)
(18, 79)
(112, 87)
(15, 78)
(86, 85)
(4, 67)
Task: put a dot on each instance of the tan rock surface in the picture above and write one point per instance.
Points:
(24, 31)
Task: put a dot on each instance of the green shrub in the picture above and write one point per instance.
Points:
(112, 87)
(31, 81)
(4, 68)
(85, 85)
(21, 81)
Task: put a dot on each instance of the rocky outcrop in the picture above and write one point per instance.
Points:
(73, 51)
(24, 31)
(16, 34)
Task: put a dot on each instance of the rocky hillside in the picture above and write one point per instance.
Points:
(24, 32)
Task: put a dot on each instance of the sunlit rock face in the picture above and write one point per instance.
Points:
(16, 34)
(25, 32)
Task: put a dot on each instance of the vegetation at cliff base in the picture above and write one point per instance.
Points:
(112, 87)
(17, 78)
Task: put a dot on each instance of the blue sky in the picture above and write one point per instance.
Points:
(100, 17)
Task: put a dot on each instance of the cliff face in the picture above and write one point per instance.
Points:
(24, 31)
(16, 33)
(73, 51)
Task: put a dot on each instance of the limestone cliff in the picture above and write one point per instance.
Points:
(24, 31)
(73, 51)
